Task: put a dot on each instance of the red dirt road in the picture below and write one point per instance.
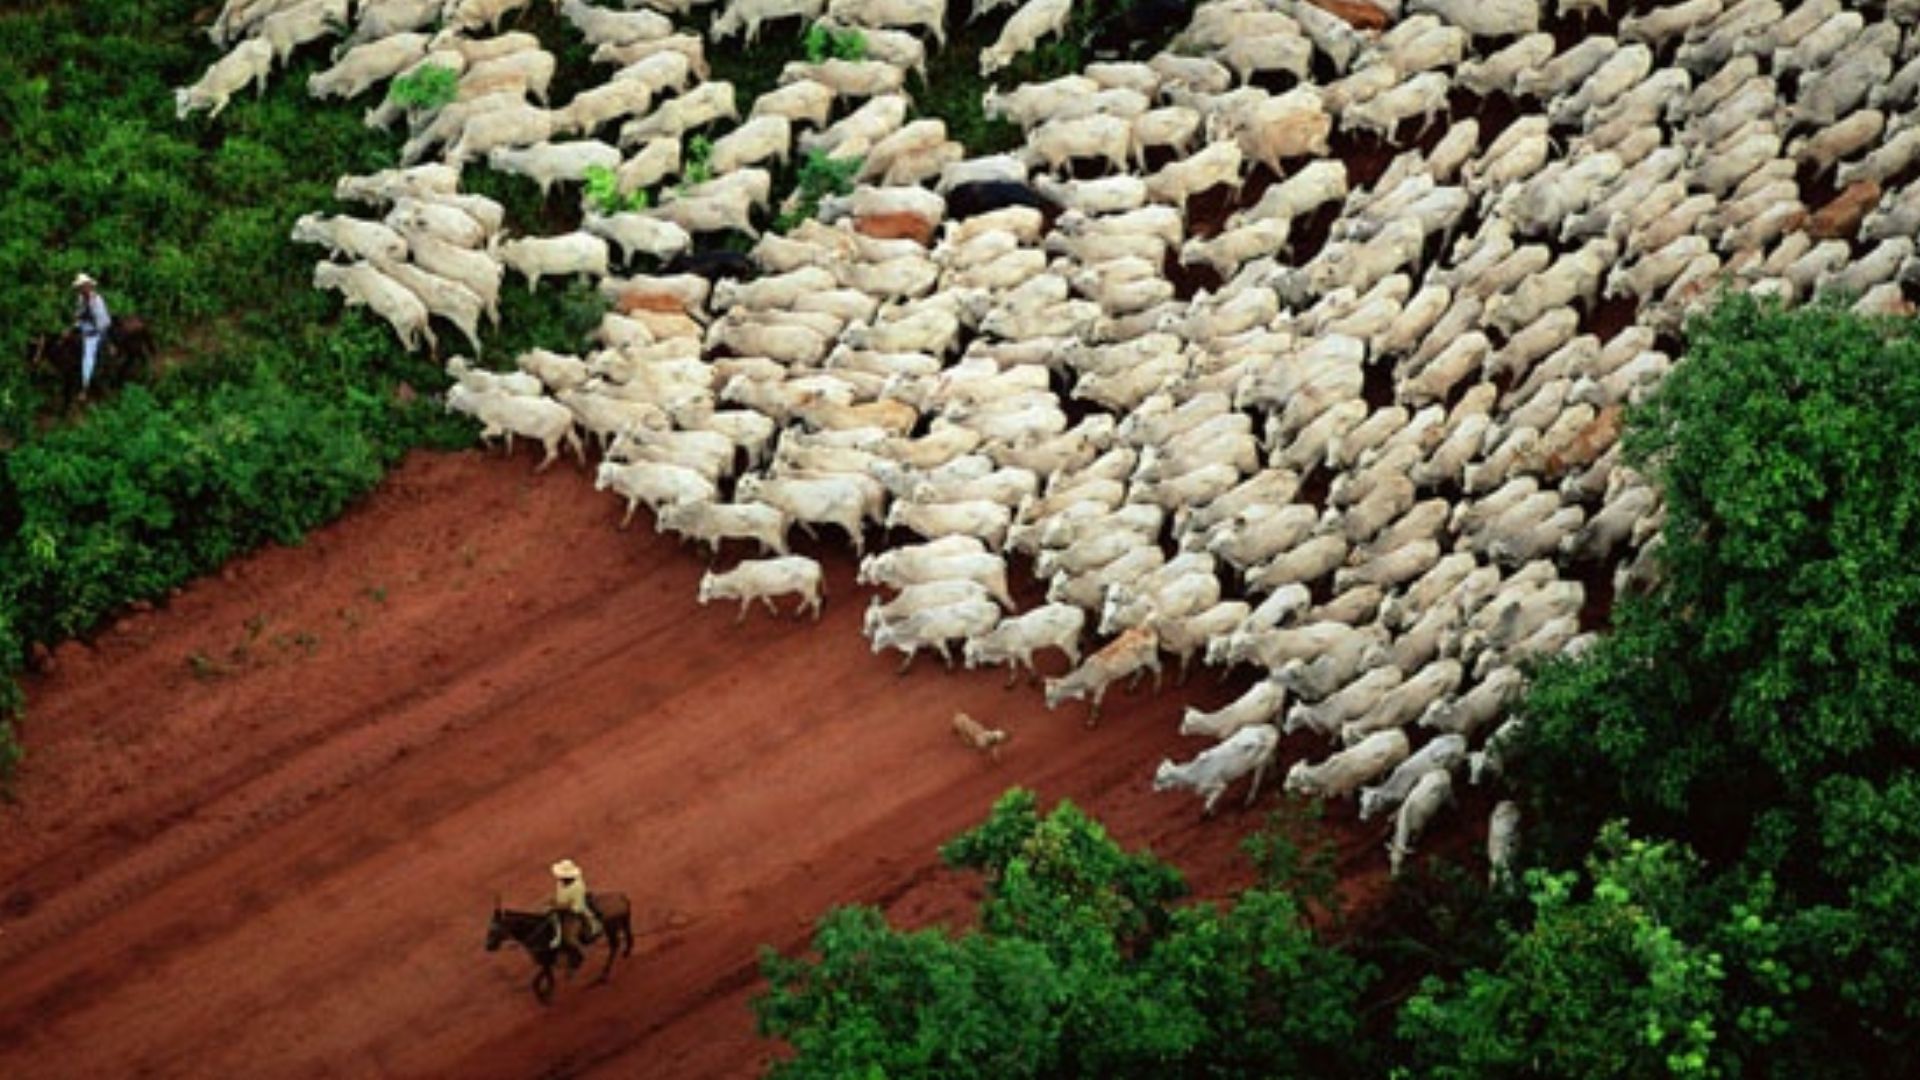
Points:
(260, 830)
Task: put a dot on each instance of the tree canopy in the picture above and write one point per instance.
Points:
(1082, 967)
(1762, 705)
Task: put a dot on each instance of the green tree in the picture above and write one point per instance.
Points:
(1604, 984)
(1082, 967)
(1762, 705)
(1784, 643)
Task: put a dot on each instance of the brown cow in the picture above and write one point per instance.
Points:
(1840, 218)
(1586, 447)
(634, 300)
(1358, 13)
(901, 226)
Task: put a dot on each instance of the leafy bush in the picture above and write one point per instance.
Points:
(1601, 984)
(820, 176)
(697, 169)
(603, 192)
(430, 86)
(147, 494)
(826, 43)
(1081, 968)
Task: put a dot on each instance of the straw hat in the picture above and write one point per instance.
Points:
(82, 279)
(565, 869)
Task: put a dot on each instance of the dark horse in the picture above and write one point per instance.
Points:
(533, 931)
(127, 354)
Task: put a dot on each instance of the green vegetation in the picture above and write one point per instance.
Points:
(429, 87)
(1723, 806)
(271, 411)
(1081, 967)
(825, 43)
(697, 167)
(1759, 707)
(820, 176)
(603, 192)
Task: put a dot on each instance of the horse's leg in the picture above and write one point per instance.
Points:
(543, 984)
(613, 942)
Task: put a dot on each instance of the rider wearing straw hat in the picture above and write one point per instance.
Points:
(570, 897)
(92, 321)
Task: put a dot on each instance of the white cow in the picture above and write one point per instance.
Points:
(764, 579)
(1251, 749)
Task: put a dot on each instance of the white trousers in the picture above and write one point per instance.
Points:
(89, 349)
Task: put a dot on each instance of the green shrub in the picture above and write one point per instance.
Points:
(273, 409)
(697, 168)
(146, 494)
(1081, 968)
(819, 177)
(823, 43)
(603, 192)
(1608, 982)
(428, 87)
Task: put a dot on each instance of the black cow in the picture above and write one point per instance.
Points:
(984, 196)
(1144, 22)
(714, 265)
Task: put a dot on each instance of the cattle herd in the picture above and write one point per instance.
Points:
(1377, 467)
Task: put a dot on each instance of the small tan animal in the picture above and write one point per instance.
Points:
(978, 736)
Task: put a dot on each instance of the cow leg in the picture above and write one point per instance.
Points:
(771, 608)
(744, 605)
(908, 662)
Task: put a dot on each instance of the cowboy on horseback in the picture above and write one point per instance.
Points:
(93, 322)
(571, 907)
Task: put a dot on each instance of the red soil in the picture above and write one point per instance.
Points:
(260, 830)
